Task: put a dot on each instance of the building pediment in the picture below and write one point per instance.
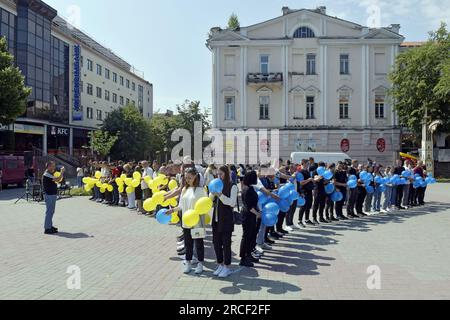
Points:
(264, 89)
(227, 35)
(345, 89)
(312, 89)
(381, 33)
(380, 89)
(297, 89)
(229, 89)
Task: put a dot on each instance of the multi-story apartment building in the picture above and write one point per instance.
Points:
(322, 81)
(75, 80)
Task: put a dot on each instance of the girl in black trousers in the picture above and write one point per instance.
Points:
(250, 214)
(222, 222)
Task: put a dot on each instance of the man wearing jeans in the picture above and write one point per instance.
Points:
(49, 182)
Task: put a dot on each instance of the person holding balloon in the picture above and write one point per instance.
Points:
(398, 170)
(370, 189)
(191, 219)
(319, 193)
(306, 189)
(353, 171)
(329, 206)
(340, 182)
(420, 190)
(222, 221)
(362, 192)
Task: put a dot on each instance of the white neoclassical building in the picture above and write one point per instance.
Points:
(322, 81)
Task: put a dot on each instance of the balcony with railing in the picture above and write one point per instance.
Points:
(265, 78)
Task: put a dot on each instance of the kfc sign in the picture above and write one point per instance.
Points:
(58, 131)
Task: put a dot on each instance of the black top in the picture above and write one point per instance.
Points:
(352, 171)
(250, 200)
(310, 185)
(319, 185)
(222, 220)
(50, 187)
(341, 176)
(399, 170)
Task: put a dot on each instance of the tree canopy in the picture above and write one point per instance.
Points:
(233, 22)
(421, 83)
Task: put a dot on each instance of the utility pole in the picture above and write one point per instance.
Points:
(427, 155)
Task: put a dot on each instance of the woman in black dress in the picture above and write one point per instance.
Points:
(250, 213)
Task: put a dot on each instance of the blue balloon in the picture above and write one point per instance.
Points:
(416, 185)
(352, 184)
(271, 208)
(162, 218)
(363, 175)
(293, 196)
(276, 181)
(381, 188)
(378, 180)
(423, 184)
(430, 175)
(328, 175)
(284, 205)
(215, 186)
(299, 176)
(352, 177)
(370, 189)
(321, 171)
(262, 199)
(284, 192)
(290, 186)
(301, 202)
(269, 220)
(329, 188)
(337, 196)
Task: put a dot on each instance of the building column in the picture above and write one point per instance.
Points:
(285, 99)
(324, 81)
(214, 87)
(71, 141)
(44, 141)
(364, 85)
(243, 88)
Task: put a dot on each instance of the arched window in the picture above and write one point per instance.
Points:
(304, 32)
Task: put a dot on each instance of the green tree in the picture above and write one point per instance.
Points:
(421, 82)
(133, 131)
(233, 22)
(13, 93)
(102, 142)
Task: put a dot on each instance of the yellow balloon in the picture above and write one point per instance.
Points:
(121, 188)
(158, 180)
(158, 197)
(102, 190)
(98, 174)
(191, 218)
(57, 174)
(165, 182)
(128, 181)
(203, 205)
(175, 218)
(135, 183)
(110, 188)
(173, 184)
(104, 186)
(98, 184)
(137, 176)
(149, 205)
(86, 180)
(208, 219)
(147, 180)
(87, 187)
(119, 181)
(130, 189)
(123, 176)
(173, 202)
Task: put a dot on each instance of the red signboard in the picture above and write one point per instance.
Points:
(381, 145)
(345, 145)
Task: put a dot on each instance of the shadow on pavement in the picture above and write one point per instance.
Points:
(72, 235)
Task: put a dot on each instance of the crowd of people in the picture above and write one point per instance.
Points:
(366, 189)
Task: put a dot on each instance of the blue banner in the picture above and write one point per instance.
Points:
(77, 112)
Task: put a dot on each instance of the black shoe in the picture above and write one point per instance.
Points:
(283, 232)
(253, 259)
(50, 231)
(55, 229)
(268, 241)
(275, 235)
(246, 263)
(182, 253)
(334, 219)
(309, 222)
(343, 218)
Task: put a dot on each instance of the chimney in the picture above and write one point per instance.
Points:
(214, 30)
(285, 10)
(395, 28)
(322, 9)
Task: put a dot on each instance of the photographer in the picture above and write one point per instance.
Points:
(49, 183)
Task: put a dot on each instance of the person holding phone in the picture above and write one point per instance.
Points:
(49, 183)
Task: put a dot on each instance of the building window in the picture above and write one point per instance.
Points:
(115, 77)
(344, 64)
(81, 86)
(81, 61)
(310, 107)
(380, 63)
(128, 101)
(106, 95)
(121, 100)
(114, 97)
(89, 112)
(99, 69)
(310, 63)
(379, 107)
(121, 80)
(140, 96)
(264, 107)
(343, 107)
(90, 65)
(128, 84)
(229, 108)
(133, 86)
(107, 76)
(304, 32)
(90, 89)
(99, 115)
(99, 92)
(264, 64)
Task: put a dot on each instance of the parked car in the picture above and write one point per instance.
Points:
(13, 168)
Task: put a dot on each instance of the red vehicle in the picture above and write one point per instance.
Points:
(13, 169)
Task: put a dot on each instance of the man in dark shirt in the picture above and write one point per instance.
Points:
(353, 171)
(319, 195)
(340, 181)
(306, 189)
(399, 193)
(49, 181)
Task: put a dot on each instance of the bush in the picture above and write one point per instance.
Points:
(80, 192)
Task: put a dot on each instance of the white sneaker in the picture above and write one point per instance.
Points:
(180, 244)
(296, 227)
(383, 211)
(259, 249)
(199, 268)
(218, 270)
(194, 260)
(288, 229)
(187, 267)
(265, 246)
(225, 273)
(180, 247)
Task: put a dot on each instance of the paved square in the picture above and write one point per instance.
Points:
(125, 256)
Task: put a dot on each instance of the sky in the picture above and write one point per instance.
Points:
(166, 39)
